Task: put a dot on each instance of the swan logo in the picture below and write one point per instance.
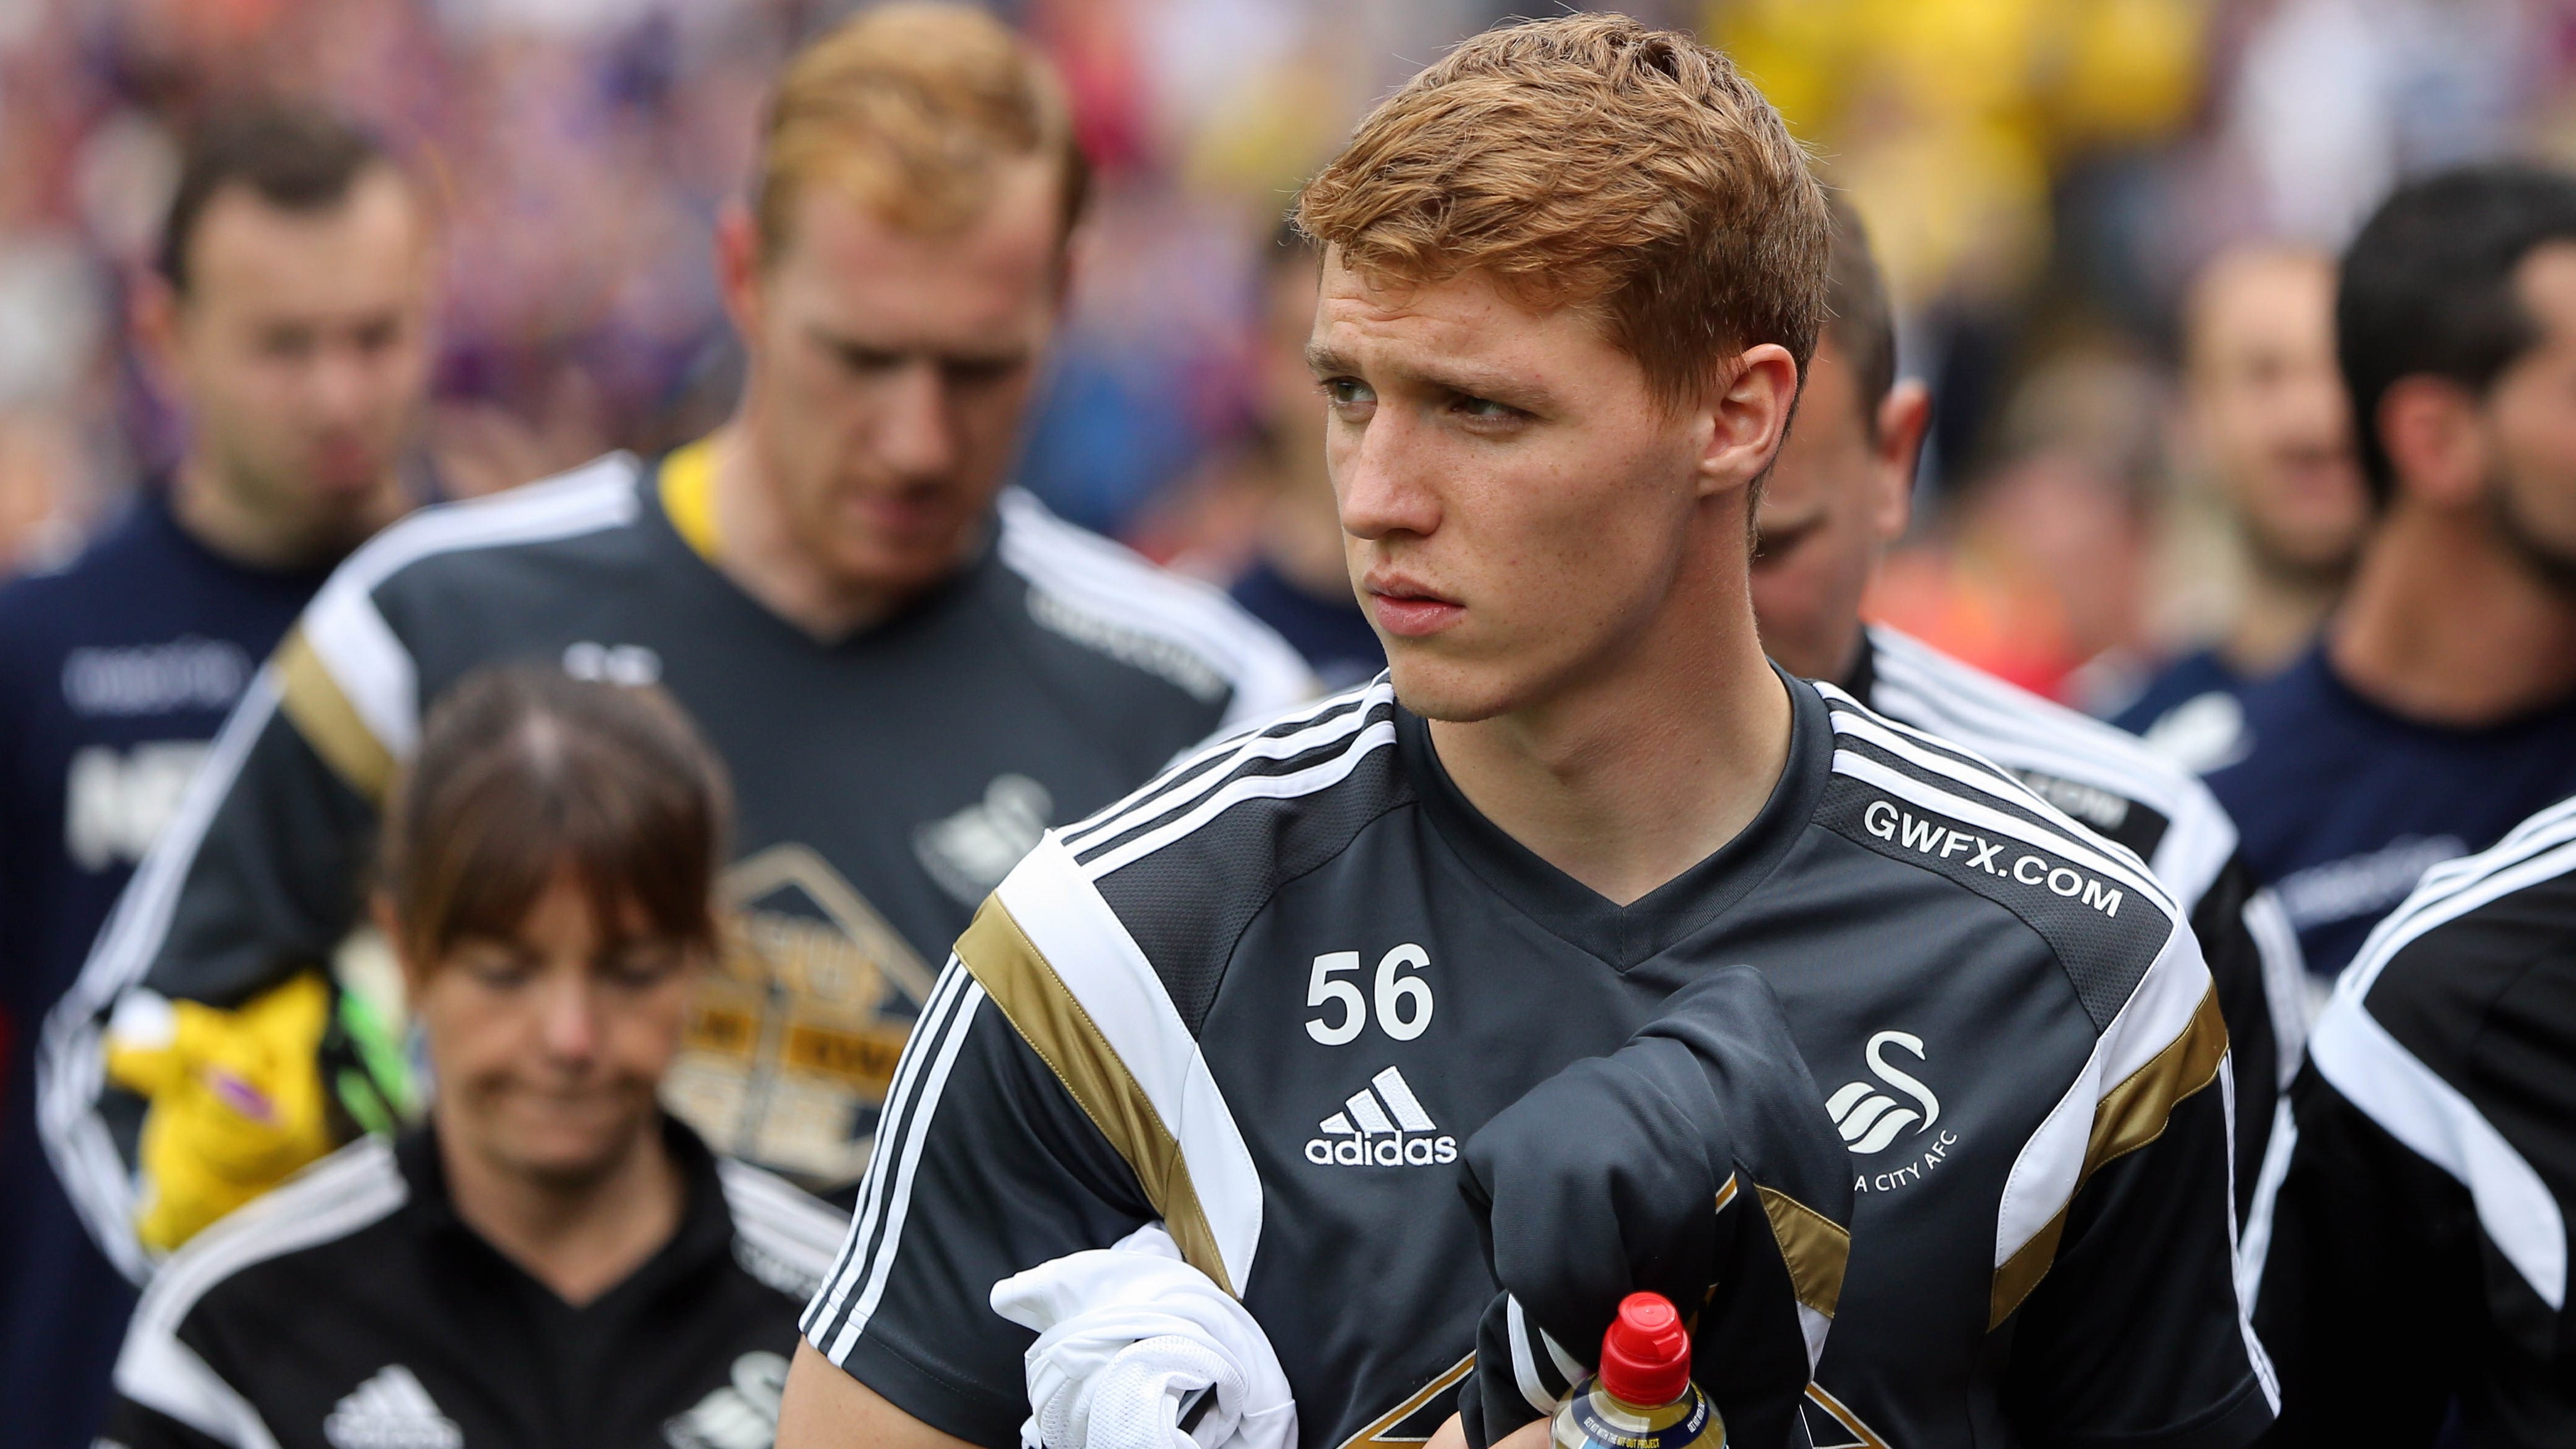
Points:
(1866, 1113)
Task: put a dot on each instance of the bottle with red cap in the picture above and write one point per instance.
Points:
(1643, 1397)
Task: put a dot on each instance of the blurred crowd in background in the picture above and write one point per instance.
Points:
(2044, 178)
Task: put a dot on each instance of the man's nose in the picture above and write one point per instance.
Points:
(342, 380)
(1383, 480)
(570, 1016)
(916, 433)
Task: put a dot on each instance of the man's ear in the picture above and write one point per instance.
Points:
(1904, 415)
(739, 270)
(1748, 418)
(2429, 427)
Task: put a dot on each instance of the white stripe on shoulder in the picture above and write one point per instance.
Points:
(1111, 599)
(349, 634)
(837, 1316)
(72, 1070)
(1312, 726)
(2540, 849)
(2052, 831)
(2375, 1072)
(357, 1186)
(2410, 1102)
(1317, 777)
(779, 1219)
(2021, 731)
(1059, 909)
(1234, 787)
(2050, 1164)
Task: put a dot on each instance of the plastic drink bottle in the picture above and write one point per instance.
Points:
(1643, 1397)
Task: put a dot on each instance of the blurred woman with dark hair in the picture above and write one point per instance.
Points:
(551, 1258)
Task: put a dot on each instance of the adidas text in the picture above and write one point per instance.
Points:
(1381, 1125)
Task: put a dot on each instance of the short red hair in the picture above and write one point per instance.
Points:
(1592, 161)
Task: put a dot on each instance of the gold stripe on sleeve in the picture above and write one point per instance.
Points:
(2129, 1116)
(321, 712)
(1815, 1247)
(1046, 1015)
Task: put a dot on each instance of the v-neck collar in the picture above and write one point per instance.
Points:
(1624, 936)
(680, 515)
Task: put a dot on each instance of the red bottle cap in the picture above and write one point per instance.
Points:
(1645, 1357)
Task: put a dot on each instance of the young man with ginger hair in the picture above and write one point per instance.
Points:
(909, 669)
(1573, 273)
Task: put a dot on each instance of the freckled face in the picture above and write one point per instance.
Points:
(1517, 503)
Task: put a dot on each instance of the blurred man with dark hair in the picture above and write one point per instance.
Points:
(289, 318)
(2268, 412)
(910, 669)
(1837, 498)
(2440, 707)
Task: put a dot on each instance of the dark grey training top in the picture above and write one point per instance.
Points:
(882, 782)
(1266, 999)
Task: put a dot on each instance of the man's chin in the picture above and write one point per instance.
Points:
(1449, 690)
(570, 1167)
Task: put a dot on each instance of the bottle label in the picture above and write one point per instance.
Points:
(1670, 1426)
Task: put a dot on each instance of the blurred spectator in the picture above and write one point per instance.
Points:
(551, 1249)
(2440, 706)
(2035, 572)
(1298, 581)
(2274, 430)
(288, 321)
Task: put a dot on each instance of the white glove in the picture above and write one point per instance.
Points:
(1128, 1338)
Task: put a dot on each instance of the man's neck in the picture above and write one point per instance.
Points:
(757, 546)
(1628, 780)
(2446, 625)
(222, 517)
(580, 1241)
(2280, 613)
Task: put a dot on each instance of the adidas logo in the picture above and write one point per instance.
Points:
(1381, 1125)
(391, 1411)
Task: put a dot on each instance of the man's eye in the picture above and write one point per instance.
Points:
(1347, 392)
(638, 970)
(501, 973)
(979, 373)
(1486, 410)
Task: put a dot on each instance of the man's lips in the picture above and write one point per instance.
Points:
(1409, 612)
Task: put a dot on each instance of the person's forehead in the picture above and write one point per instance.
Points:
(2257, 299)
(2546, 282)
(1008, 258)
(243, 238)
(1459, 326)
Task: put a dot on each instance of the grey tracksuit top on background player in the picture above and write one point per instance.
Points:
(2125, 793)
(882, 783)
(1266, 998)
(353, 1308)
(2412, 1242)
